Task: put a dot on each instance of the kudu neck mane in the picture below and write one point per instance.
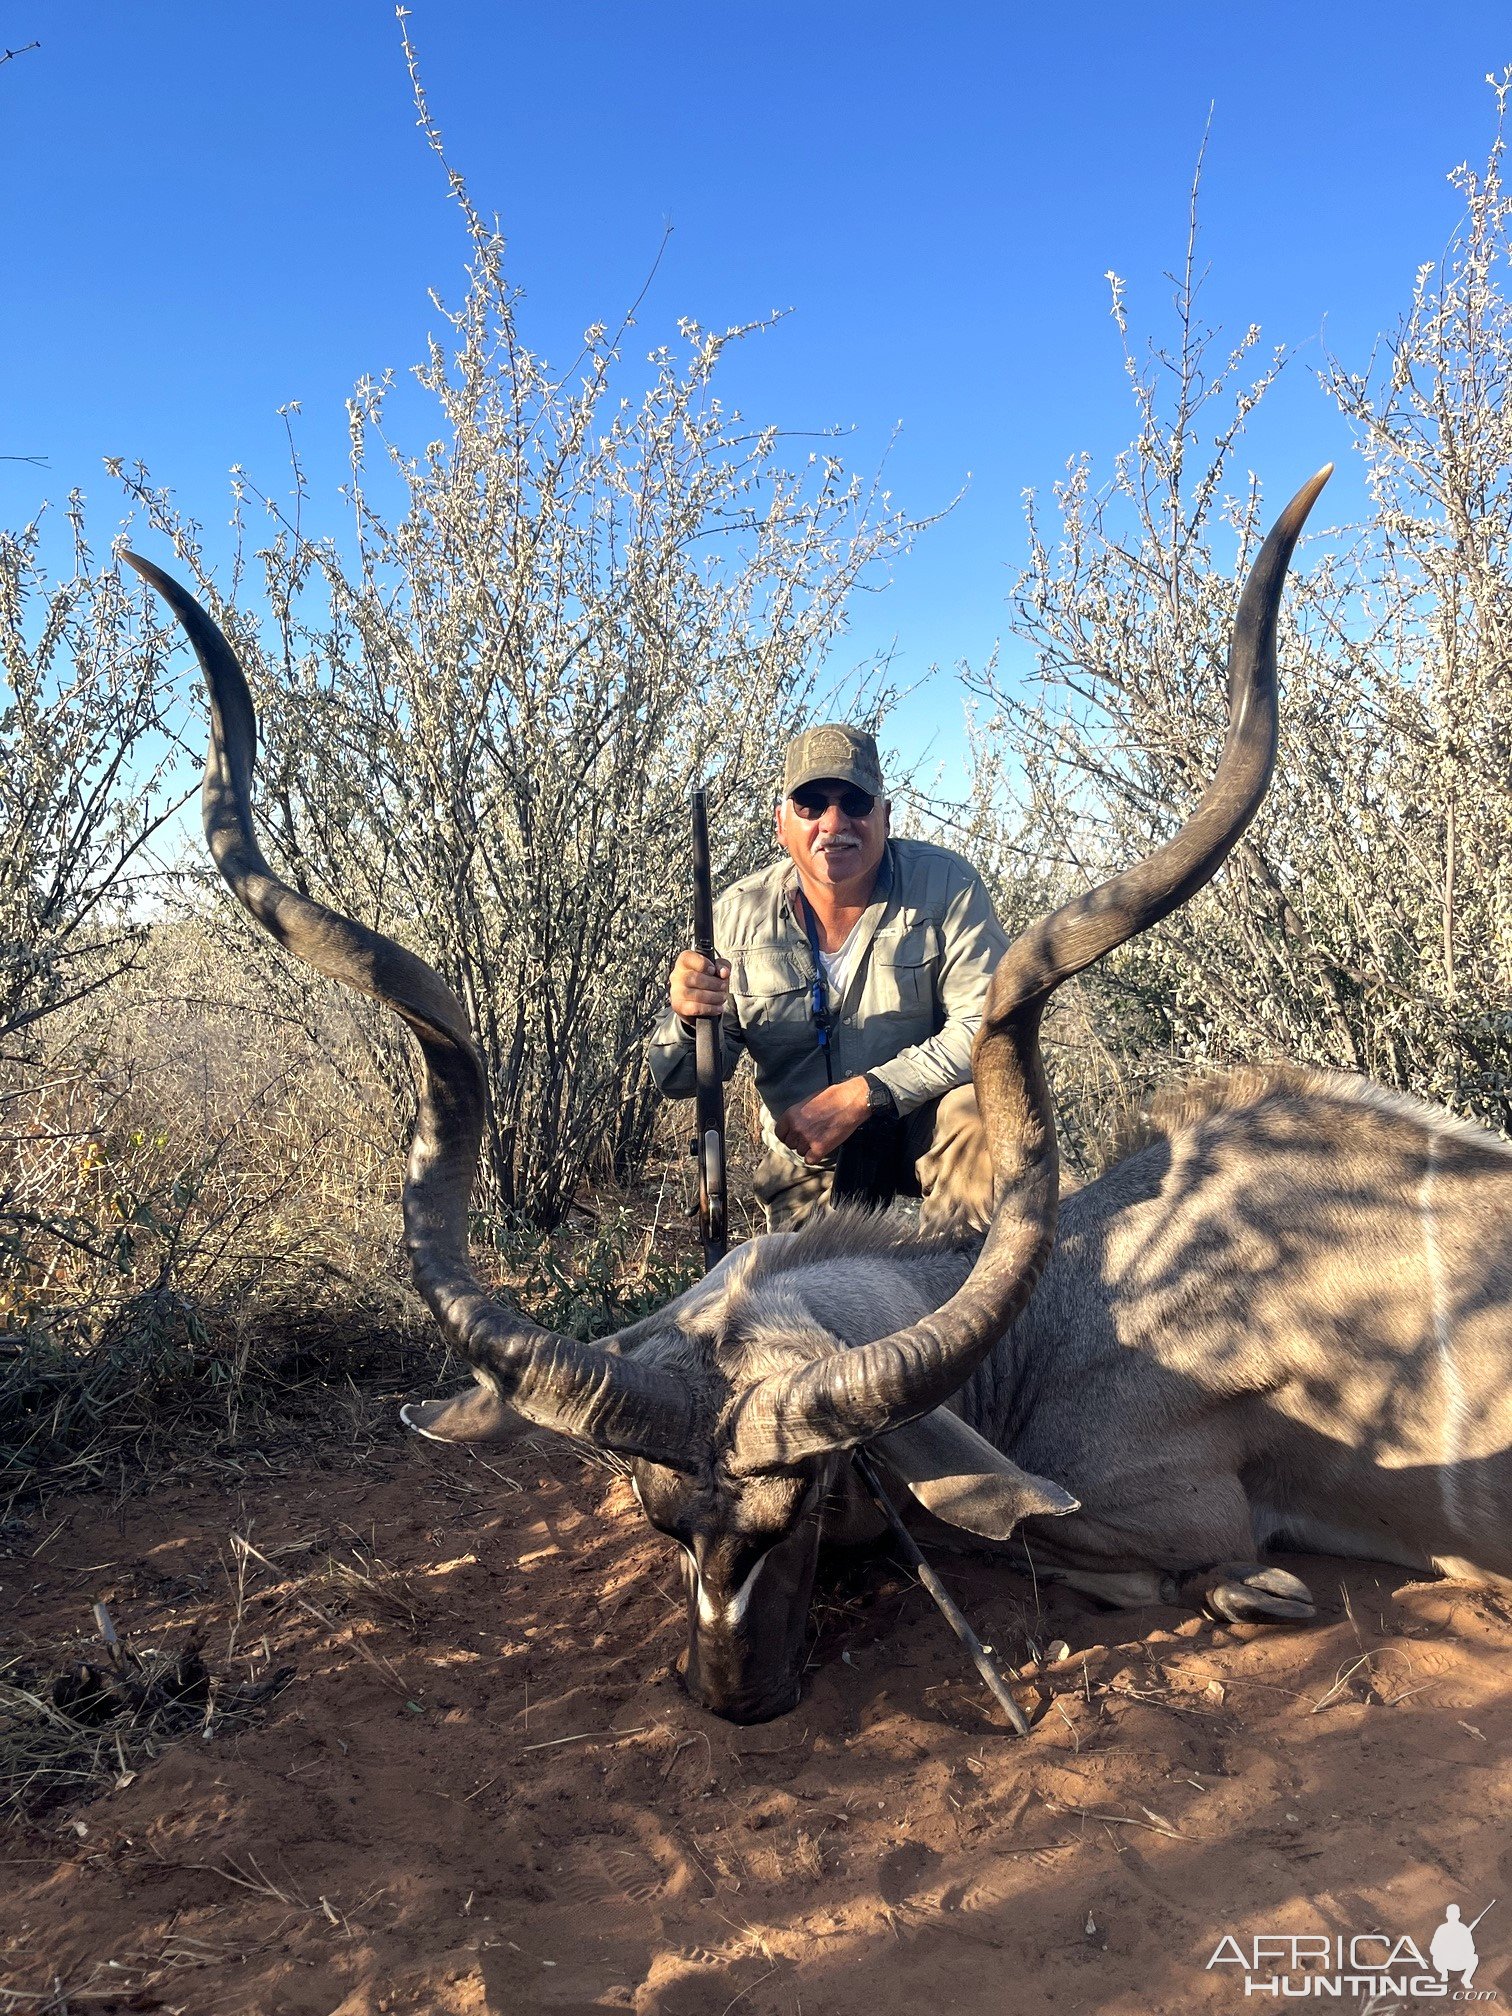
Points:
(757, 1314)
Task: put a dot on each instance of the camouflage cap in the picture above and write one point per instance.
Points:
(848, 755)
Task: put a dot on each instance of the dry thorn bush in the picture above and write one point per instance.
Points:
(484, 708)
(86, 778)
(1366, 921)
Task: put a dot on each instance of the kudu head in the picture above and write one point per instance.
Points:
(737, 1405)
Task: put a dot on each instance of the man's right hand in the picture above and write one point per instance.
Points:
(700, 986)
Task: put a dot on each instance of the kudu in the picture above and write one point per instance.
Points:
(1226, 1342)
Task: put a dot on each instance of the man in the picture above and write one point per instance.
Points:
(855, 973)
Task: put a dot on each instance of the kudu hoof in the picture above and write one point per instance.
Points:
(1241, 1592)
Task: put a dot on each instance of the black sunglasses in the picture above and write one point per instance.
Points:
(813, 804)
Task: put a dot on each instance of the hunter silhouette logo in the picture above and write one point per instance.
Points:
(1294, 1966)
(1452, 1947)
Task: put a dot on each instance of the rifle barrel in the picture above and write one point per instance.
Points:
(703, 878)
(709, 1146)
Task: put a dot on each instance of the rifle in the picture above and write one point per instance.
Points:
(709, 1144)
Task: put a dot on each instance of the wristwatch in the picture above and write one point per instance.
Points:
(878, 1098)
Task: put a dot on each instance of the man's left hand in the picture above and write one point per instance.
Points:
(816, 1127)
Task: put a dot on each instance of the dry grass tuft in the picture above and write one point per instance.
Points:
(71, 1733)
(199, 1220)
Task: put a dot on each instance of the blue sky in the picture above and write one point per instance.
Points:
(211, 210)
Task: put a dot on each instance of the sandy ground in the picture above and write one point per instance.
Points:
(484, 1789)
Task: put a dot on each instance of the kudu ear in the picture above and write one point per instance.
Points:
(476, 1414)
(958, 1476)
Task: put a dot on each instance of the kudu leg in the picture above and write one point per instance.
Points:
(1198, 1541)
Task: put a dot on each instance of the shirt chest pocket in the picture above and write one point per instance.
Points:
(773, 995)
(902, 976)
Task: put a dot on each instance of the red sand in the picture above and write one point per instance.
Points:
(485, 1790)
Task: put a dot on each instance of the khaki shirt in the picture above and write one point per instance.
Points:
(925, 950)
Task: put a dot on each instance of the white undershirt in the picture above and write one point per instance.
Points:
(837, 966)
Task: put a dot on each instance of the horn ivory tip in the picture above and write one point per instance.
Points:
(1308, 495)
(179, 600)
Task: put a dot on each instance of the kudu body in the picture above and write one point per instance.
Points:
(1286, 1318)
(1164, 1371)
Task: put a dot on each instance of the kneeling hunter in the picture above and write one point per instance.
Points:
(854, 972)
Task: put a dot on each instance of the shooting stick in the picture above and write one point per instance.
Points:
(710, 1144)
(981, 1658)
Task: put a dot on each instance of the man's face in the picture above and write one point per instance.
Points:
(835, 833)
